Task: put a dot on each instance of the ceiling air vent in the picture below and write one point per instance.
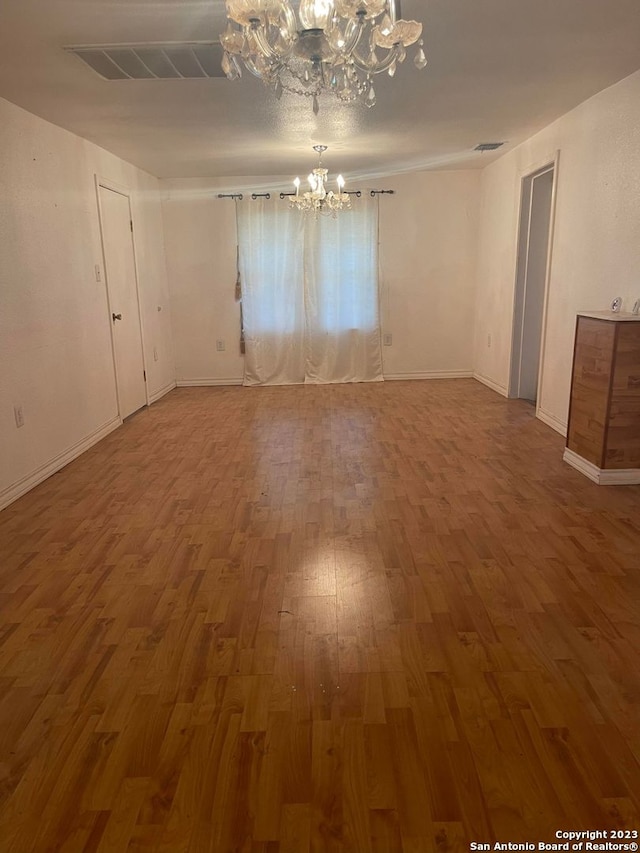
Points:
(488, 146)
(174, 60)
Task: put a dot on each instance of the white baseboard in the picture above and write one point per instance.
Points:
(434, 374)
(197, 383)
(500, 389)
(552, 421)
(430, 374)
(153, 398)
(22, 486)
(602, 476)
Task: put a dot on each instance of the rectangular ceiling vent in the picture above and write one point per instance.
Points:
(488, 146)
(171, 61)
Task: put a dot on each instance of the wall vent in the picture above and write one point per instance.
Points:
(488, 146)
(153, 61)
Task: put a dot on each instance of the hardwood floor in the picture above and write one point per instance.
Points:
(358, 618)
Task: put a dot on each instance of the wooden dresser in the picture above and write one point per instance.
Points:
(603, 438)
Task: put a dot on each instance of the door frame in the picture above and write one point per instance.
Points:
(533, 169)
(124, 191)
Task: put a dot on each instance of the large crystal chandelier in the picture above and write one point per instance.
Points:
(333, 46)
(317, 200)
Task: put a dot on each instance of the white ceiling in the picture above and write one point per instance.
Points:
(499, 70)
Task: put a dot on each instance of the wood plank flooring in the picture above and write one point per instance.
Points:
(360, 618)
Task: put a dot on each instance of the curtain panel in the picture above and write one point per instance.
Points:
(310, 294)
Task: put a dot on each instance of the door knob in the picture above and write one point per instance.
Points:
(116, 317)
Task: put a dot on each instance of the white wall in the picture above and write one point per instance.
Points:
(428, 240)
(200, 246)
(428, 233)
(596, 251)
(55, 348)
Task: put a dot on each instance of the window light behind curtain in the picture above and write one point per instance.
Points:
(310, 294)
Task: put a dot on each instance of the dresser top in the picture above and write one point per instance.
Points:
(613, 316)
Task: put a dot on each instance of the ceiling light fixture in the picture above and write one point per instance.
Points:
(317, 200)
(329, 46)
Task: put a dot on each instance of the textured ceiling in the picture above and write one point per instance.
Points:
(498, 70)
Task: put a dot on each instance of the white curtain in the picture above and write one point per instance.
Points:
(272, 304)
(309, 294)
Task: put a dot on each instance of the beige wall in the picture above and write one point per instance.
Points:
(200, 246)
(596, 250)
(55, 347)
(427, 269)
(428, 242)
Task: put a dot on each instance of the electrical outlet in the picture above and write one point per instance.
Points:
(98, 273)
(489, 341)
(19, 416)
(387, 340)
(220, 346)
(155, 354)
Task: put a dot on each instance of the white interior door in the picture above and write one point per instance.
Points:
(120, 267)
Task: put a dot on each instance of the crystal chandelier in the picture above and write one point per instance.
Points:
(332, 46)
(317, 200)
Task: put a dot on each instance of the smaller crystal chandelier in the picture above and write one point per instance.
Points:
(330, 46)
(317, 200)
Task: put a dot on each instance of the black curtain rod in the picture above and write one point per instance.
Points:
(356, 193)
(254, 196)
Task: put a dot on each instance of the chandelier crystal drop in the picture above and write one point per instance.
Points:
(327, 46)
(317, 199)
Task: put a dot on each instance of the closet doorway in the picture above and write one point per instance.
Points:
(532, 275)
